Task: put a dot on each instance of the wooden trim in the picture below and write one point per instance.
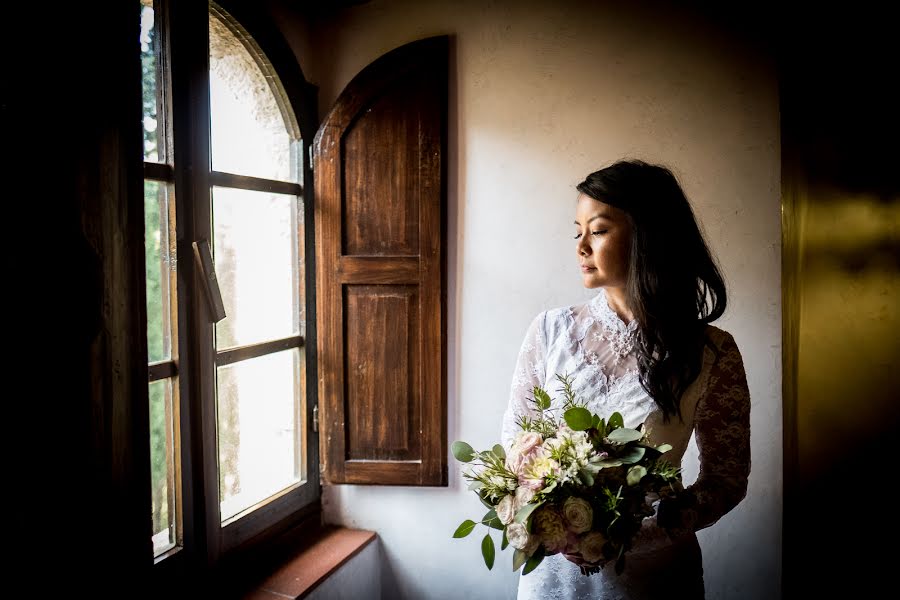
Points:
(433, 250)
(299, 576)
(159, 172)
(161, 370)
(188, 28)
(243, 568)
(245, 182)
(378, 269)
(266, 514)
(384, 472)
(233, 355)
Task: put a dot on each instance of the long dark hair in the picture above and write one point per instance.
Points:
(674, 286)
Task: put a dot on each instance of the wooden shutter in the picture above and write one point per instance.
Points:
(380, 164)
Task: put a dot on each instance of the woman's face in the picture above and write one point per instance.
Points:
(603, 243)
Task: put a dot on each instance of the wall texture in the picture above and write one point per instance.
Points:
(541, 95)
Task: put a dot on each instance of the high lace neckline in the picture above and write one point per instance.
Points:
(602, 311)
(622, 337)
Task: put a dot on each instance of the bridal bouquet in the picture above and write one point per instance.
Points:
(576, 483)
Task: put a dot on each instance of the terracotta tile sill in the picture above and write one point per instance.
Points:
(300, 575)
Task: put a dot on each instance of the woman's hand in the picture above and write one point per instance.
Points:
(587, 568)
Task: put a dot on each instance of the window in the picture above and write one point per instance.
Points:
(233, 451)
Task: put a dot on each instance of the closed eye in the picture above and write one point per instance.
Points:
(594, 233)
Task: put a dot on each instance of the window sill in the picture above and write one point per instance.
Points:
(302, 573)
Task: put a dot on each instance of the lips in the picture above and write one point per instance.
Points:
(585, 268)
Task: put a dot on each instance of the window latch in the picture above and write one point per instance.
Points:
(210, 284)
(316, 418)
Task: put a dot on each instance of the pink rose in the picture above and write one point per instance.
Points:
(522, 447)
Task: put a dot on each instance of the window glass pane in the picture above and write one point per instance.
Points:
(149, 41)
(162, 465)
(251, 122)
(259, 428)
(160, 271)
(257, 258)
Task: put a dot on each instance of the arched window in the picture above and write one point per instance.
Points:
(230, 325)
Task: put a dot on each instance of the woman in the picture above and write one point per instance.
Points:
(644, 347)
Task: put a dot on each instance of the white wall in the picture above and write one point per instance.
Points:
(357, 579)
(542, 95)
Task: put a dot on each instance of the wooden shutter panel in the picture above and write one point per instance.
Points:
(379, 209)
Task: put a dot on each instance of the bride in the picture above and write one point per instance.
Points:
(643, 346)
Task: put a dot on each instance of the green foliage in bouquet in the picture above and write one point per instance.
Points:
(571, 482)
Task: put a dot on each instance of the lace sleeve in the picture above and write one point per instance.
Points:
(722, 429)
(529, 373)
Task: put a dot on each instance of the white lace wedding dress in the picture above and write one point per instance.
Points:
(590, 343)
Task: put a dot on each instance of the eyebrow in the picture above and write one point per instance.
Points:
(602, 215)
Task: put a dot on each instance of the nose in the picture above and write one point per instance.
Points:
(582, 247)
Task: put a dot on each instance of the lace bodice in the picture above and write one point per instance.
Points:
(590, 343)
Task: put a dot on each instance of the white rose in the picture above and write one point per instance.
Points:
(591, 546)
(524, 495)
(532, 545)
(506, 510)
(520, 539)
(517, 535)
(578, 514)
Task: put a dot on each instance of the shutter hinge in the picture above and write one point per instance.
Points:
(316, 418)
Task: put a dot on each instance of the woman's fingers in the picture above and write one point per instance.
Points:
(579, 560)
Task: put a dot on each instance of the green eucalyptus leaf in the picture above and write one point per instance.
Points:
(578, 418)
(492, 520)
(607, 463)
(523, 513)
(663, 448)
(616, 421)
(632, 455)
(532, 563)
(476, 485)
(487, 550)
(623, 435)
(635, 474)
(505, 541)
(519, 559)
(464, 529)
(499, 452)
(542, 398)
(462, 451)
